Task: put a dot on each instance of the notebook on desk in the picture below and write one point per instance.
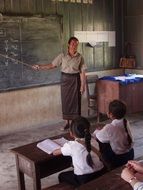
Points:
(49, 145)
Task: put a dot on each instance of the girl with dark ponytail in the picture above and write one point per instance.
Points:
(115, 139)
(86, 164)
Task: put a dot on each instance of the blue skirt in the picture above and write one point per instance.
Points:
(114, 160)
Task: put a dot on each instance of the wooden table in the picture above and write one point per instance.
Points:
(109, 181)
(37, 164)
(131, 94)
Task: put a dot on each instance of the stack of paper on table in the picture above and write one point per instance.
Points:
(49, 145)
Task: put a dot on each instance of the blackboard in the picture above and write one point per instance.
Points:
(32, 40)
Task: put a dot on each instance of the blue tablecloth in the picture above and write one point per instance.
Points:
(125, 79)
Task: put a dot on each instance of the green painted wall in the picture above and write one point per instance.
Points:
(86, 15)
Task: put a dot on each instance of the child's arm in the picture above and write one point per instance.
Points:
(57, 152)
(65, 150)
(102, 134)
(100, 126)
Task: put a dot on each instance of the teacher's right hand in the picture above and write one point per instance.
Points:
(36, 67)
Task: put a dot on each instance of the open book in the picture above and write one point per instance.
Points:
(49, 145)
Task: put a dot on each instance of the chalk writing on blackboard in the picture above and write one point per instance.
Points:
(30, 40)
(12, 50)
(2, 33)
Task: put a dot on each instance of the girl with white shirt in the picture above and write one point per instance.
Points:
(86, 163)
(115, 139)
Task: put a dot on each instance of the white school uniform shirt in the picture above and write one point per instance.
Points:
(115, 134)
(78, 153)
(138, 186)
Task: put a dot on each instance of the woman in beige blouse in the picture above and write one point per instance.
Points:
(72, 79)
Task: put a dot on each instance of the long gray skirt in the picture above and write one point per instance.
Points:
(70, 95)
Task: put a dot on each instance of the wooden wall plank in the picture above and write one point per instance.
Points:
(87, 22)
(1, 6)
(75, 19)
(66, 22)
(48, 7)
(8, 6)
(15, 6)
(133, 29)
(98, 26)
(108, 25)
(134, 7)
(28, 6)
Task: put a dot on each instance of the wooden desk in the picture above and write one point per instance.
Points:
(131, 94)
(37, 164)
(109, 181)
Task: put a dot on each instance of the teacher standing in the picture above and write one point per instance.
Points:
(72, 79)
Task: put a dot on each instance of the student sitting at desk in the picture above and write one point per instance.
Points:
(86, 163)
(115, 139)
(133, 174)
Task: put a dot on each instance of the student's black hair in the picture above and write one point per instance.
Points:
(118, 110)
(129, 137)
(72, 38)
(80, 127)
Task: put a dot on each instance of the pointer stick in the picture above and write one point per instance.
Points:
(15, 60)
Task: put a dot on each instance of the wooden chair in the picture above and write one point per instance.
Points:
(91, 91)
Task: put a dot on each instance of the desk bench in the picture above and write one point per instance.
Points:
(60, 186)
(37, 164)
(110, 181)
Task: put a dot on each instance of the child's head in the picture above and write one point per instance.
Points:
(117, 109)
(80, 128)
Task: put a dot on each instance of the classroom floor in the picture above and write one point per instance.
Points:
(8, 176)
